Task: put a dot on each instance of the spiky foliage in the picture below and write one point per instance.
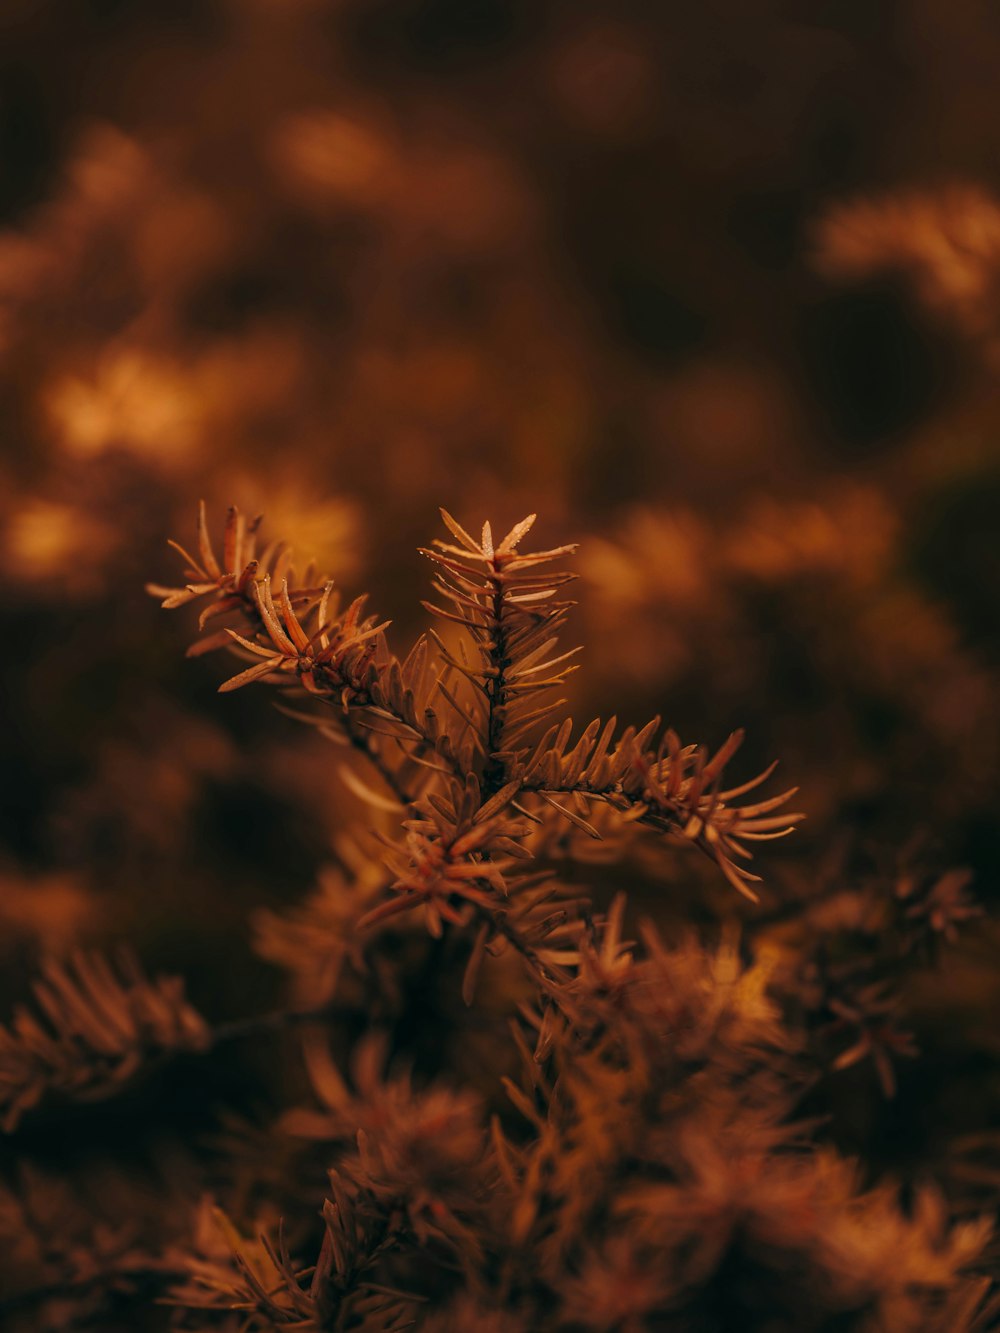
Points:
(92, 1030)
(662, 1183)
(646, 1175)
(847, 954)
(466, 734)
(242, 1284)
(612, 1136)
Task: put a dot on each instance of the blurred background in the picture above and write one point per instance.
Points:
(712, 288)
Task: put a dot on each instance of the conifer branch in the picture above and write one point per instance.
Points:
(95, 1027)
(465, 830)
(224, 1271)
(649, 1144)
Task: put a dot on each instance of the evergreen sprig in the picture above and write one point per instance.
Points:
(613, 1141)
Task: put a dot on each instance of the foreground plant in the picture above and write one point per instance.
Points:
(629, 1156)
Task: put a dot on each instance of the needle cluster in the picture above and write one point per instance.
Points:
(608, 1133)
